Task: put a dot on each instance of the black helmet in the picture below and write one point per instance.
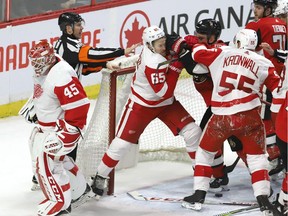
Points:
(68, 18)
(209, 27)
(267, 3)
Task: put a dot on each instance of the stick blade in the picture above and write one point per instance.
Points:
(136, 195)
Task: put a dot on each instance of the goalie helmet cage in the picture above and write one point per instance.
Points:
(156, 142)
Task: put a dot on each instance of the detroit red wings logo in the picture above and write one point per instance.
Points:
(37, 91)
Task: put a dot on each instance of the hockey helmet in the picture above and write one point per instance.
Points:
(247, 38)
(209, 27)
(282, 8)
(68, 18)
(42, 57)
(267, 3)
(151, 34)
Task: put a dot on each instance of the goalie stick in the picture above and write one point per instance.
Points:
(87, 196)
(233, 212)
(137, 196)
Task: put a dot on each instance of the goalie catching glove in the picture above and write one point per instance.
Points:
(28, 111)
(63, 141)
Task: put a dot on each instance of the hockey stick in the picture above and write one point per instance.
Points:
(231, 167)
(137, 196)
(166, 62)
(88, 195)
(233, 212)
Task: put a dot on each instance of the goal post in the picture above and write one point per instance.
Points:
(156, 143)
(114, 91)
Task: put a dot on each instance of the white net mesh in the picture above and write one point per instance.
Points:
(157, 142)
(96, 138)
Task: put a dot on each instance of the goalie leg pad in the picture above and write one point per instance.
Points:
(35, 146)
(54, 183)
(77, 179)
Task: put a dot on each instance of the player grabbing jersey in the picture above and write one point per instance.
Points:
(208, 31)
(152, 97)
(61, 106)
(235, 106)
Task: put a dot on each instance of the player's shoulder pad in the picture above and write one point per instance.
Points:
(153, 59)
(61, 73)
(262, 61)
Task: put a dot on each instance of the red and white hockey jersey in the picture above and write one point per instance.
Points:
(205, 88)
(237, 76)
(60, 95)
(280, 106)
(152, 88)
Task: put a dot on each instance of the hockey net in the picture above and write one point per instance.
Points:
(156, 142)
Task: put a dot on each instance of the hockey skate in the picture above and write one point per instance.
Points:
(87, 195)
(266, 207)
(219, 184)
(35, 184)
(283, 208)
(99, 185)
(194, 201)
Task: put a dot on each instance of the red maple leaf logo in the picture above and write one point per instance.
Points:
(134, 36)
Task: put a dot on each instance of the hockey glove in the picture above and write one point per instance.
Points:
(175, 44)
(28, 112)
(63, 141)
(191, 40)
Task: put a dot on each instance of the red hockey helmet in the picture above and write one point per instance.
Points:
(42, 57)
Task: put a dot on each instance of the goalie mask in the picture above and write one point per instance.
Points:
(246, 39)
(209, 27)
(42, 57)
(151, 34)
(70, 19)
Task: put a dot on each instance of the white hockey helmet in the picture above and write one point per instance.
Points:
(247, 38)
(282, 8)
(151, 34)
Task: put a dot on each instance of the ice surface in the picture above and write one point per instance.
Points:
(158, 178)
